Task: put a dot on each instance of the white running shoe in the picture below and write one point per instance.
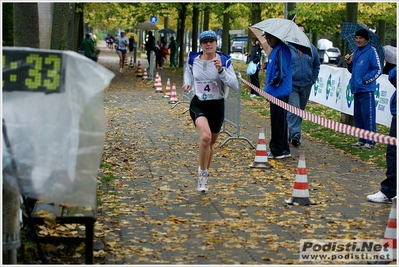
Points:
(358, 144)
(379, 197)
(202, 180)
(367, 146)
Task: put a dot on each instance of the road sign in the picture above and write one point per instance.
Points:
(154, 19)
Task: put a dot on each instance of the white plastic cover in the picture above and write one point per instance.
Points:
(57, 139)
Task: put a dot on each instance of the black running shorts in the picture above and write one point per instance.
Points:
(213, 110)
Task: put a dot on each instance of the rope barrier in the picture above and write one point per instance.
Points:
(333, 125)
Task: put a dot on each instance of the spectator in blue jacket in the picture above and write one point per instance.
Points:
(305, 71)
(365, 67)
(388, 186)
(279, 85)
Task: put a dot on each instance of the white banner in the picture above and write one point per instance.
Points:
(332, 90)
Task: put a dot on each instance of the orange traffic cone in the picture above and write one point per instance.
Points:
(158, 88)
(167, 89)
(156, 80)
(300, 192)
(261, 153)
(173, 96)
(131, 62)
(139, 70)
(145, 75)
(388, 253)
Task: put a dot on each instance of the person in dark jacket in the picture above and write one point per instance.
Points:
(255, 56)
(173, 52)
(388, 185)
(88, 46)
(150, 46)
(364, 64)
(279, 85)
(305, 71)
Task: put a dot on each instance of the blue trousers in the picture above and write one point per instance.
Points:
(364, 113)
(278, 119)
(298, 98)
(388, 186)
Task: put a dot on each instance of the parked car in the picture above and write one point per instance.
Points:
(238, 46)
(333, 55)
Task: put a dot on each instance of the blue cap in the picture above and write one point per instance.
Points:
(87, 35)
(207, 35)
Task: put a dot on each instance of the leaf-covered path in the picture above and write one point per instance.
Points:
(151, 212)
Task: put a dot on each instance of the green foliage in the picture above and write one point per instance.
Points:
(318, 17)
(324, 18)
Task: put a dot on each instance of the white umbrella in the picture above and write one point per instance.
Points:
(324, 44)
(287, 31)
(390, 54)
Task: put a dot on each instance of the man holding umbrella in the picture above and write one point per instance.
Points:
(279, 85)
(364, 64)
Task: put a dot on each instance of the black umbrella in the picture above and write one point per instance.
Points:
(167, 30)
(348, 32)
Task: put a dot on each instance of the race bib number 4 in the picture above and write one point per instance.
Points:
(208, 90)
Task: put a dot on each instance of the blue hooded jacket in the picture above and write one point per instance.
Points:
(279, 71)
(305, 70)
(365, 68)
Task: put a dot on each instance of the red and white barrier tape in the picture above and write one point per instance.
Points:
(336, 126)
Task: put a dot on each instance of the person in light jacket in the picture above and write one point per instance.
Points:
(209, 74)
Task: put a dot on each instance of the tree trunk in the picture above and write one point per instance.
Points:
(351, 16)
(290, 7)
(182, 21)
(226, 28)
(70, 41)
(381, 31)
(207, 11)
(8, 24)
(26, 25)
(79, 24)
(59, 37)
(194, 36)
(256, 16)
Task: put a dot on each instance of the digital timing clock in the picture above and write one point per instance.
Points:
(33, 71)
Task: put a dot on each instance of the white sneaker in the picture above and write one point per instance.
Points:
(202, 180)
(358, 144)
(367, 146)
(379, 197)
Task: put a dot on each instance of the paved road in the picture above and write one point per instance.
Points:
(153, 214)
